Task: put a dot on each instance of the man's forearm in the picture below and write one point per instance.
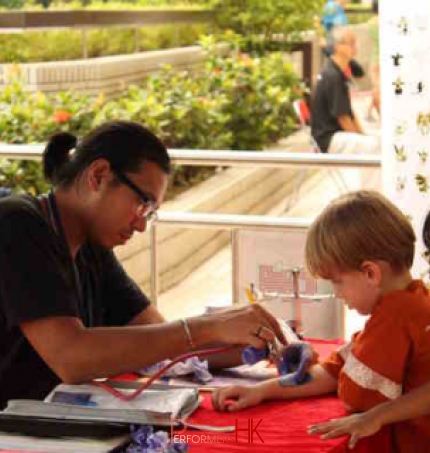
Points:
(322, 383)
(158, 342)
(106, 351)
(216, 361)
(130, 348)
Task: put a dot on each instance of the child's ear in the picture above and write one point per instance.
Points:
(372, 272)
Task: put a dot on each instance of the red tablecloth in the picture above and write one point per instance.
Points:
(282, 428)
(282, 425)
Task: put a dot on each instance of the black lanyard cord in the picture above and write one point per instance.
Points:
(85, 309)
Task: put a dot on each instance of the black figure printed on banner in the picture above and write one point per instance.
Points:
(398, 84)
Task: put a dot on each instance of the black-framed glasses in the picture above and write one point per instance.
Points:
(147, 208)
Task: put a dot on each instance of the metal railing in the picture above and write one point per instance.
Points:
(215, 221)
(276, 159)
(231, 222)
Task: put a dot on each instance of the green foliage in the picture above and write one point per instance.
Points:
(32, 118)
(178, 107)
(12, 4)
(22, 176)
(232, 102)
(103, 4)
(127, 4)
(358, 13)
(67, 44)
(260, 93)
(236, 102)
(359, 18)
(262, 21)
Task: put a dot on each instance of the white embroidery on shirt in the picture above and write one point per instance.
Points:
(345, 350)
(365, 377)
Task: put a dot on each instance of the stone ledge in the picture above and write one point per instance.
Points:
(110, 75)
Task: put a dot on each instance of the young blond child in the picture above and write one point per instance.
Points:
(365, 246)
(411, 405)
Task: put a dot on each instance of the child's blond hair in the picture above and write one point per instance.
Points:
(358, 227)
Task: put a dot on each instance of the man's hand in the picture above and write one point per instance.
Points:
(251, 325)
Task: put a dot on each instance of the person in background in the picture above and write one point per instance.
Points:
(364, 245)
(374, 64)
(334, 126)
(334, 15)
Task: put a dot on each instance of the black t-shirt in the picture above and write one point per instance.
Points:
(37, 280)
(330, 100)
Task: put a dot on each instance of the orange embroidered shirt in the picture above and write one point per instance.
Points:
(390, 356)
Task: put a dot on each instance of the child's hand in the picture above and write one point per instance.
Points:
(236, 397)
(357, 425)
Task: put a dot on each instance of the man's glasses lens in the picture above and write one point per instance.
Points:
(147, 208)
(151, 216)
(146, 211)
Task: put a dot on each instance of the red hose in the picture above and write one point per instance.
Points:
(131, 396)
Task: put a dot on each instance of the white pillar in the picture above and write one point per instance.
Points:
(405, 90)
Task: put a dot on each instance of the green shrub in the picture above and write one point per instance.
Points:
(359, 18)
(178, 107)
(12, 4)
(260, 21)
(57, 45)
(128, 4)
(233, 102)
(260, 91)
(103, 4)
(32, 118)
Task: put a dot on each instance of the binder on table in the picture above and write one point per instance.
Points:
(89, 419)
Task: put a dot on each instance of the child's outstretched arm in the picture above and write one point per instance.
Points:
(237, 397)
(412, 405)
